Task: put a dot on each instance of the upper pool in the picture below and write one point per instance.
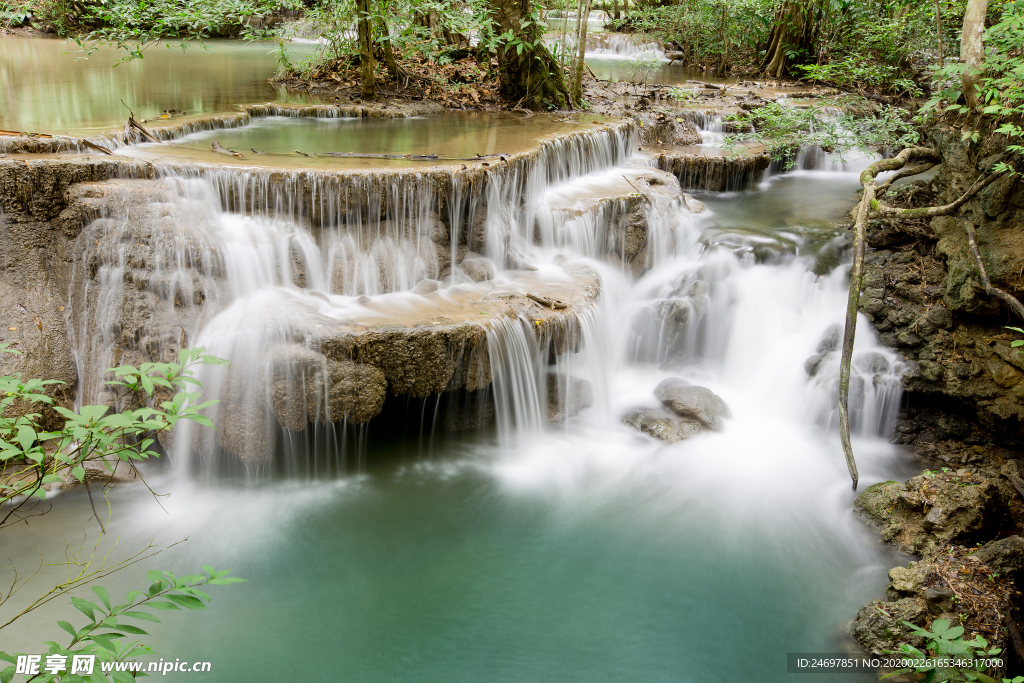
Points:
(48, 85)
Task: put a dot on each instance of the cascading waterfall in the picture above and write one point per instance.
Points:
(273, 252)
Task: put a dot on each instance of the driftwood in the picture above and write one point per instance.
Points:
(220, 149)
(869, 206)
(547, 302)
(133, 125)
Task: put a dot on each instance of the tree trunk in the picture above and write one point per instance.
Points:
(579, 17)
(794, 29)
(365, 48)
(528, 75)
(389, 53)
(723, 64)
(577, 72)
(972, 48)
(615, 9)
(938, 29)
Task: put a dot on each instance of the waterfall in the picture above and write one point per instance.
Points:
(515, 369)
(317, 286)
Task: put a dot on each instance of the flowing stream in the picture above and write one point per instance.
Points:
(518, 550)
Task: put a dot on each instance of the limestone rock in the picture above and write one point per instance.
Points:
(567, 396)
(930, 511)
(694, 205)
(662, 424)
(1005, 556)
(879, 626)
(698, 403)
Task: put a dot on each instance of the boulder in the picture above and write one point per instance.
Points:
(930, 511)
(478, 268)
(567, 396)
(697, 403)
(662, 424)
(694, 205)
(880, 628)
(1005, 556)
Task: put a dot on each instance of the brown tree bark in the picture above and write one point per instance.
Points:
(576, 89)
(365, 48)
(972, 49)
(723, 64)
(389, 53)
(528, 75)
(795, 28)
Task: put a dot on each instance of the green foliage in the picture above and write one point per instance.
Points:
(110, 631)
(857, 73)
(642, 66)
(133, 26)
(853, 43)
(148, 400)
(782, 130)
(947, 643)
(1016, 343)
(1001, 89)
(685, 95)
(697, 27)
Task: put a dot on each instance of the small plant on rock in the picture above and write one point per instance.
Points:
(945, 644)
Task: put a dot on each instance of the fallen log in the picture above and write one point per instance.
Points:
(220, 149)
(554, 304)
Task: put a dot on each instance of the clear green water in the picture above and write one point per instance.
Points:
(598, 558)
(457, 135)
(52, 86)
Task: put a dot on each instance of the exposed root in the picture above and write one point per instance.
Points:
(871, 206)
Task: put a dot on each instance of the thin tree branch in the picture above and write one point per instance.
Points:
(990, 289)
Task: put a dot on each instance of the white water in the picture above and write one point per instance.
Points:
(710, 315)
(584, 521)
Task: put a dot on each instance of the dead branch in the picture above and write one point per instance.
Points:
(220, 149)
(137, 127)
(96, 147)
(547, 301)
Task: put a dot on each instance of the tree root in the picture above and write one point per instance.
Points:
(871, 206)
(990, 289)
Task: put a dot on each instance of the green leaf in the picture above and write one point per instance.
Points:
(103, 642)
(68, 627)
(134, 630)
(188, 601)
(144, 616)
(85, 607)
(103, 595)
(162, 605)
